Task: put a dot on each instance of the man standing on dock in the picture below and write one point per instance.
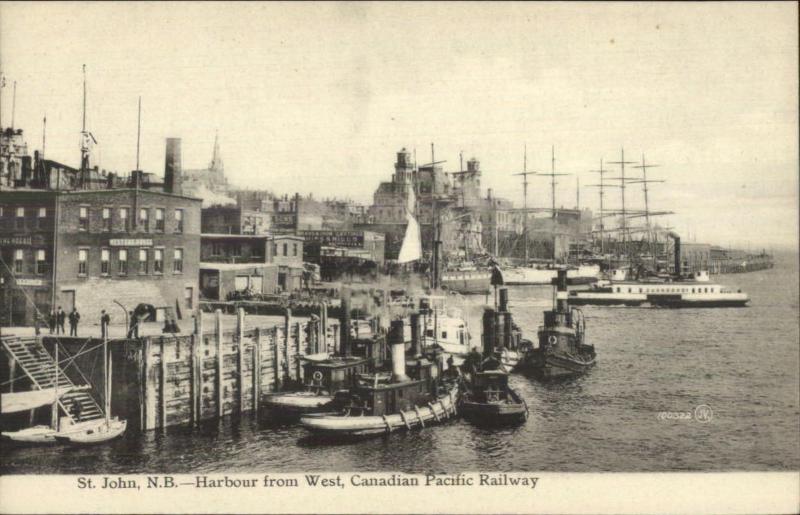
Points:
(74, 318)
(60, 319)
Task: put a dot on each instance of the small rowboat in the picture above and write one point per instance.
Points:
(347, 424)
(31, 435)
(100, 432)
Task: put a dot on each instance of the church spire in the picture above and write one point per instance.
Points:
(216, 160)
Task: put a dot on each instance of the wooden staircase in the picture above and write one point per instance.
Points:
(39, 366)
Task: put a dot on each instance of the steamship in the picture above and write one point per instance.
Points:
(676, 291)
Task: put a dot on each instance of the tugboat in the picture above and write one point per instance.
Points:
(326, 374)
(379, 406)
(501, 336)
(562, 351)
(490, 401)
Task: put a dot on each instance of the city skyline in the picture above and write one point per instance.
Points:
(317, 99)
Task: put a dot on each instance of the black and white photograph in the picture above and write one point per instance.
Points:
(363, 257)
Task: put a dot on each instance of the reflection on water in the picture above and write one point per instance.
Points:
(743, 363)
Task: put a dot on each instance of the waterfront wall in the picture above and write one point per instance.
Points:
(162, 381)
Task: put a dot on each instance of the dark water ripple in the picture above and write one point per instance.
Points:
(743, 363)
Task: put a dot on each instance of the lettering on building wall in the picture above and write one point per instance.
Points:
(130, 242)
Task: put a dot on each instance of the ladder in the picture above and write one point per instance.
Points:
(39, 366)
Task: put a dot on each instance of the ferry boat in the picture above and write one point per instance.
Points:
(677, 292)
(380, 406)
(562, 351)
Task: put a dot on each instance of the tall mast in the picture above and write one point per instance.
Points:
(138, 135)
(624, 228)
(553, 183)
(602, 212)
(106, 377)
(84, 137)
(644, 166)
(13, 104)
(525, 173)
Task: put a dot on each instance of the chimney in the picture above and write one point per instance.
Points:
(397, 341)
(172, 167)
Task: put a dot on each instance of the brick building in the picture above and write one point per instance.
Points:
(90, 247)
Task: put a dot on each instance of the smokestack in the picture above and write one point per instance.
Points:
(561, 290)
(416, 344)
(173, 181)
(677, 239)
(503, 304)
(344, 340)
(398, 344)
(488, 331)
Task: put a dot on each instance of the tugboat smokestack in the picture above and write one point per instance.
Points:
(397, 341)
(503, 303)
(677, 239)
(561, 290)
(344, 344)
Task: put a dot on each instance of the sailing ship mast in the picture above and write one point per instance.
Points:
(553, 183)
(525, 173)
(644, 182)
(623, 180)
(601, 186)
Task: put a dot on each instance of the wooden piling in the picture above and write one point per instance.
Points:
(298, 352)
(193, 369)
(162, 384)
(220, 398)
(256, 370)
(144, 386)
(240, 355)
(276, 362)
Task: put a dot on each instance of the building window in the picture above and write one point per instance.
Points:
(107, 219)
(42, 215)
(144, 220)
(285, 249)
(104, 258)
(83, 256)
(177, 261)
(274, 249)
(122, 259)
(294, 249)
(158, 261)
(159, 219)
(216, 249)
(83, 218)
(41, 263)
(123, 215)
(236, 250)
(18, 260)
(188, 295)
(179, 220)
(143, 261)
(20, 222)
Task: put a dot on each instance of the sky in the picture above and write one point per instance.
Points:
(318, 98)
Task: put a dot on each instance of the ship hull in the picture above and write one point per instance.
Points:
(477, 285)
(553, 366)
(292, 406)
(494, 414)
(344, 426)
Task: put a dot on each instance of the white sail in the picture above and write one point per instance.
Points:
(411, 250)
(24, 401)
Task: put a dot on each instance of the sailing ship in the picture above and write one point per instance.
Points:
(532, 272)
(380, 405)
(561, 351)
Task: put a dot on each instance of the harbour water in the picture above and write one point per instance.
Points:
(635, 411)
